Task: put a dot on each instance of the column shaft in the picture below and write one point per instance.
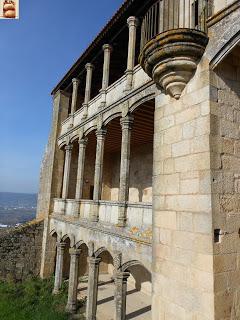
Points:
(121, 295)
(89, 67)
(59, 267)
(101, 134)
(92, 288)
(132, 25)
(126, 124)
(80, 172)
(66, 175)
(106, 66)
(75, 83)
(73, 280)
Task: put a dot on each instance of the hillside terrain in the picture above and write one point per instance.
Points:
(16, 208)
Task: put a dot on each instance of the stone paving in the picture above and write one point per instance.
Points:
(138, 303)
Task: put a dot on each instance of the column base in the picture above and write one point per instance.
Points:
(56, 291)
(71, 308)
(122, 220)
(94, 212)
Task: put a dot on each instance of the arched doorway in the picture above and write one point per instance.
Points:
(139, 289)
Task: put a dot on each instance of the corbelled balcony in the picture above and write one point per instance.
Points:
(173, 40)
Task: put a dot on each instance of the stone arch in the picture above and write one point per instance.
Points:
(62, 144)
(83, 261)
(99, 251)
(130, 264)
(140, 101)
(112, 117)
(71, 239)
(79, 244)
(140, 277)
(225, 50)
(89, 130)
(66, 257)
(53, 232)
(74, 138)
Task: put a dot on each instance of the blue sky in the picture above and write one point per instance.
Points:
(35, 52)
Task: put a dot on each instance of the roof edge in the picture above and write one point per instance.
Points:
(94, 43)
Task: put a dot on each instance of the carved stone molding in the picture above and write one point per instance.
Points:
(171, 58)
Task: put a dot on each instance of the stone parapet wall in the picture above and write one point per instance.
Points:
(20, 251)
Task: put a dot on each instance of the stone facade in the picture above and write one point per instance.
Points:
(20, 251)
(141, 181)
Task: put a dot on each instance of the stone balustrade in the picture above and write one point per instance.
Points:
(138, 214)
(114, 93)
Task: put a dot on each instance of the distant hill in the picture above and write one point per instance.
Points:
(17, 208)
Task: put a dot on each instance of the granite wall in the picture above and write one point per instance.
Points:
(20, 251)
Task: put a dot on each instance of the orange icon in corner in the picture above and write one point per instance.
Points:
(9, 9)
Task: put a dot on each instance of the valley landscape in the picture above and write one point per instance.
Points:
(16, 208)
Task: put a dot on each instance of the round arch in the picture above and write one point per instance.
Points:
(225, 50)
(89, 130)
(141, 101)
(101, 250)
(112, 117)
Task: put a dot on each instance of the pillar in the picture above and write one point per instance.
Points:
(89, 67)
(75, 83)
(126, 124)
(73, 280)
(59, 267)
(101, 134)
(106, 65)
(80, 172)
(121, 295)
(92, 288)
(66, 175)
(132, 25)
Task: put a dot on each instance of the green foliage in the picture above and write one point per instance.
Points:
(32, 300)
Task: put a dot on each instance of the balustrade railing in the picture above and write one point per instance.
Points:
(166, 15)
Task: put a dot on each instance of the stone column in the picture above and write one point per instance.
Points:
(89, 67)
(106, 65)
(75, 83)
(80, 172)
(101, 134)
(121, 295)
(92, 288)
(132, 25)
(126, 124)
(59, 267)
(73, 280)
(66, 175)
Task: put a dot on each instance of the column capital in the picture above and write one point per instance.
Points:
(101, 133)
(61, 245)
(83, 142)
(122, 276)
(107, 47)
(127, 122)
(74, 251)
(75, 81)
(89, 66)
(94, 261)
(133, 22)
(68, 147)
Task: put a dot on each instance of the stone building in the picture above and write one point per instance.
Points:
(140, 182)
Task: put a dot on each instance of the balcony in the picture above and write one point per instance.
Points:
(139, 215)
(173, 40)
(114, 93)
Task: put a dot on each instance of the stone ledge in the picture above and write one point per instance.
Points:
(108, 108)
(223, 13)
(103, 228)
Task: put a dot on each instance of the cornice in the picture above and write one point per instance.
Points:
(223, 13)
